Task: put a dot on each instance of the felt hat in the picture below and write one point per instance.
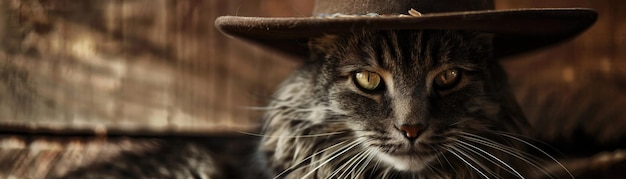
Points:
(515, 30)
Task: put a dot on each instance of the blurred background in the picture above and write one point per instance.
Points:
(82, 81)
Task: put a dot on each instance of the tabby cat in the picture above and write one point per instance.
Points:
(398, 104)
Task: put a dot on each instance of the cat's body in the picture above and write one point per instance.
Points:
(323, 123)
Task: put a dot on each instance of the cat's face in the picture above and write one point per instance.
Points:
(410, 97)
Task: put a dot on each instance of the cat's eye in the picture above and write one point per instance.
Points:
(368, 80)
(447, 79)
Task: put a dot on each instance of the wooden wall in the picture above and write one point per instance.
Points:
(143, 66)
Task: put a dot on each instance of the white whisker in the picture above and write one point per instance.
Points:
(359, 162)
(449, 164)
(369, 155)
(538, 149)
(312, 155)
(430, 168)
(492, 156)
(386, 174)
(464, 161)
(375, 167)
(508, 150)
(344, 165)
(333, 156)
(481, 165)
(351, 164)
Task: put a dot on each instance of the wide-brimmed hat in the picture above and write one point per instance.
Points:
(515, 30)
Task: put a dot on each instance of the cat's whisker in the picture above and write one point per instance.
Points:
(450, 164)
(369, 157)
(510, 169)
(433, 169)
(344, 165)
(430, 168)
(530, 159)
(361, 162)
(311, 156)
(437, 171)
(392, 173)
(334, 154)
(540, 150)
(353, 162)
(386, 173)
(354, 168)
(526, 138)
(459, 122)
(503, 148)
(332, 157)
(498, 146)
(474, 160)
(467, 163)
(375, 167)
(337, 170)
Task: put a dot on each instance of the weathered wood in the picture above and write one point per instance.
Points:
(130, 67)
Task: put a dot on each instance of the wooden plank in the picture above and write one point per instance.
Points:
(120, 67)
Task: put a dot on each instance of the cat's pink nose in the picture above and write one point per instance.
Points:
(411, 131)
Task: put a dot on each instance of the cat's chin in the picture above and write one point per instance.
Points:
(406, 162)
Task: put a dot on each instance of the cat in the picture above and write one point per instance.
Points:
(398, 104)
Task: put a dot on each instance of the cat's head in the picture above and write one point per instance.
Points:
(410, 97)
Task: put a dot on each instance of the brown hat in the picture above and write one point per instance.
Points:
(515, 30)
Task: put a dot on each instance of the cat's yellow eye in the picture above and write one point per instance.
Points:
(368, 80)
(447, 79)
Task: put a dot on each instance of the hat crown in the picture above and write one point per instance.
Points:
(360, 7)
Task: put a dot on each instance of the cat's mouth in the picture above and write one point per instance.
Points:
(414, 152)
(413, 159)
(417, 150)
(408, 161)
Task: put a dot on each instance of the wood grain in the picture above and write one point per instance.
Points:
(131, 67)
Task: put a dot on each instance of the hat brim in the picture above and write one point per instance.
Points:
(516, 30)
